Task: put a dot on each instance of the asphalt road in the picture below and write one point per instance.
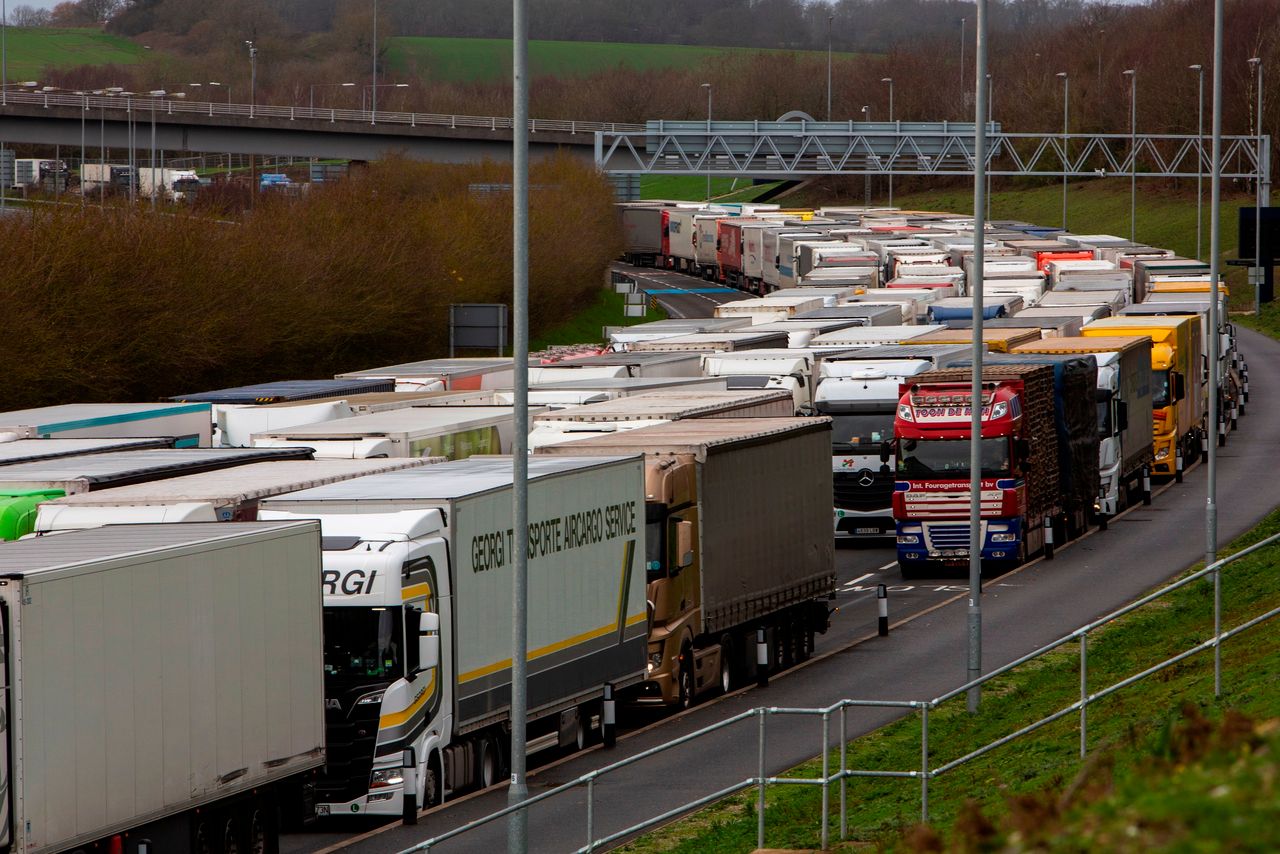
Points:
(681, 295)
(922, 658)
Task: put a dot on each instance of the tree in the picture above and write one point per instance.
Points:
(27, 16)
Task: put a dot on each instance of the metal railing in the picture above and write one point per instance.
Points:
(177, 106)
(926, 772)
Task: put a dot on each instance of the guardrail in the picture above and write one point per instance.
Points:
(925, 773)
(175, 106)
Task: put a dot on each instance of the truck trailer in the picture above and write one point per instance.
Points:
(455, 432)
(429, 550)
(163, 687)
(190, 425)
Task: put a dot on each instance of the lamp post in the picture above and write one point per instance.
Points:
(228, 88)
(253, 77)
(1066, 92)
(1199, 70)
(830, 18)
(4, 50)
(889, 80)
(1256, 62)
(1132, 74)
(707, 153)
(374, 97)
(1215, 222)
(962, 23)
(990, 110)
(866, 117)
(365, 91)
(313, 90)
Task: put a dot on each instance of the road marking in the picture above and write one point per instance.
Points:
(856, 580)
(890, 565)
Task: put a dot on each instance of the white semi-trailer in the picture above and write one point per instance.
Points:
(431, 550)
(162, 683)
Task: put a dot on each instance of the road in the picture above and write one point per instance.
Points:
(923, 657)
(680, 295)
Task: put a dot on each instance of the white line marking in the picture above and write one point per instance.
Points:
(856, 580)
(890, 565)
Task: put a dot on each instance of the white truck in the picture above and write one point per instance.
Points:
(859, 391)
(869, 336)
(790, 370)
(162, 684)
(223, 495)
(173, 185)
(442, 374)
(456, 432)
(16, 451)
(416, 579)
(190, 425)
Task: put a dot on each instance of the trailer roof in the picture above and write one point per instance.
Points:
(30, 450)
(619, 359)
(699, 436)
(24, 558)
(378, 398)
(245, 483)
(129, 466)
(432, 368)
(1081, 344)
(896, 351)
(70, 416)
(287, 390)
(411, 419)
(444, 482)
(667, 405)
(626, 383)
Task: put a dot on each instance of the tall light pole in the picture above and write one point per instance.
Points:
(975, 399)
(253, 77)
(1065, 130)
(1132, 74)
(1215, 223)
(365, 89)
(4, 50)
(313, 90)
(1256, 62)
(830, 18)
(1199, 70)
(889, 80)
(707, 153)
(991, 108)
(866, 117)
(962, 23)
(374, 97)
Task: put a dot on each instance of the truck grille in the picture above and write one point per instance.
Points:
(853, 493)
(349, 742)
(949, 536)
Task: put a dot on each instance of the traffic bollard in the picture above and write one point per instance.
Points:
(762, 658)
(882, 602)
(609, 717)
(1146, 486)
(410, 763)
(1048, 538)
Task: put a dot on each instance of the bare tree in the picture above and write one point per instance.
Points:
(28, 16)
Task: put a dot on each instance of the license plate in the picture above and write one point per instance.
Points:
(866, 530)
(322, 809)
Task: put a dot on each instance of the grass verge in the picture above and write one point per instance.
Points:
(31, 50)
(586, 326)
(1038, 787)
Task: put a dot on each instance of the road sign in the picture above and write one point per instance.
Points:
(478, 325)
(635, 310)
(635, 298)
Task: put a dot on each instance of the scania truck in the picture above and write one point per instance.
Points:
(416, 577)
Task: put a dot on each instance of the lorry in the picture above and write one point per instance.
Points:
(999, 339)
(888, 313)
(163, 687)
(709, 342)
(769, 309)
(107, 177)
(645, 410)
(174, 185)
(869, 336)
(288, 391)
(51, 176)
(222, 495)
(421, 560)
(30, 450)
(620, 337)
(961, 308)
(455, 432)
(1050, 326)
(720, 566)
(1039, 446)
(190, 425)
(442, 374)
(1125, 448)
(622, 364)
(790, 370)
(641, 233)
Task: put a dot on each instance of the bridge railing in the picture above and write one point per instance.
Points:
(130, 104)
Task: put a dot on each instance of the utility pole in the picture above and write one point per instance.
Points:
(830, 18)
(962, 30)
(518, 823)
(1256, 62)
(1132, 74)
(975, 399)
(707, 154)
(866, 116)
(889, 80)
(1215, 224)
(373, 99)
(1199, 70)
(1065, 143)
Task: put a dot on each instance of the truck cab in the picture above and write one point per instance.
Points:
(791, 370)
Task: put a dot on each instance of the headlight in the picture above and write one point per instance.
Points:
(908, 539)
(904, 412)
(999, 410)
(1162, 454)
(655, 661)
(1003, 538)
(386, 777)
(371, 699)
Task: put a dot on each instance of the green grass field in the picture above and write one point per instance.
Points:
(587, 325)
(33, 50)
(486, 59)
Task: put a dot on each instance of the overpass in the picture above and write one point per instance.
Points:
(124, 121)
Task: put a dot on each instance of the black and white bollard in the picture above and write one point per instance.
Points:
(1048, 538)
(762, 658)
(1235, 416)
(882, 602)
(1146, 486)
(1177, 465)
(609, 717)
(410, 771)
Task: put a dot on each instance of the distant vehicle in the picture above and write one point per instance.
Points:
(117, 177)
(174, 185)
(34, 173)
(274, 181)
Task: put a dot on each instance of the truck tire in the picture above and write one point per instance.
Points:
(432, 782)
(684, 679)
(726, 664)
(202, 838)
(488, 762)
(231, 842)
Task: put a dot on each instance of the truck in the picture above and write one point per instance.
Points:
(709, 342)
(288, 391)
(1051, 326)
(868, 336)
(222, 495)
(629, 364)
(961, 308)
(1179, 384)
(455, 432)
(174, 185)
(890, 313)
(641, 233)
(620, 337)
(51, 176)
(421, 560)
(1039, 473)
(163, 687)
(769, 309)
(1125, 449)
(190, 425)
(718, 567)
(999, 339)
(30, 450)
(442, 374)
(645, 410)
(107, 177)
(790, 370)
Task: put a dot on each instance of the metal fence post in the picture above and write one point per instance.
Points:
(1084, 694)
(1217, 633)
(826, 776)
(844, 779)
(760, 782)
(924, 762)
(591, 816)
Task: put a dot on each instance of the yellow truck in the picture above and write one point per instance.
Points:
(997, 339)
(1179, 383)
(1184, 285)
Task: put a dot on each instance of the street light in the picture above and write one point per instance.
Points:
(1199, 70)
(707, 153)
(962, 22)
(1256, 62)
(830, 18)
(253, 76)
(313, 90)
(374, 98)
(990, 109)
(866, 202)
(889, 80)
(1065, 142)
(364, 91)
(1132, 74)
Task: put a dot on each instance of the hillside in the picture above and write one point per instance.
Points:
(484, 60)
(31, 51)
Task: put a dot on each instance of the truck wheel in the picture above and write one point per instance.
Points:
(432, 781)
(685, 679)
(231, 837)
(202, 841)
(487, 767)
(726, 664)
(256, 833)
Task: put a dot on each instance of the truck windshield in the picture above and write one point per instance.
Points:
(923, 459)
(1159, 389)
(362, 644)
(655, 541)
(1104, 414)
(861, 430)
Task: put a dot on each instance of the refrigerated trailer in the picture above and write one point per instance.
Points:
(162, 684)
(455, 432)
(188, 424)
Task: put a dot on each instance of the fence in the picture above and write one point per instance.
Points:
(926, 772)
(175, 106)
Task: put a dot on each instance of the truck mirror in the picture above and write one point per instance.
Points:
(1122, 416)
(886, 451)
(428, 652)
(429, 622)
(684, 544)
(1179, 386)
(1024, 448)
